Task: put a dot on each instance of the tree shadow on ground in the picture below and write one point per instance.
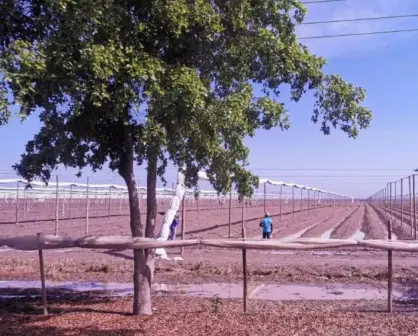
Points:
(29, 300)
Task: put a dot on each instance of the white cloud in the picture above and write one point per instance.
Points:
(351, 9)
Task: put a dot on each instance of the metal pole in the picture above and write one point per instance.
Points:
(414, 204)
(402, 202)
(71, 201)
(17, 203)
(87, 207)
(230, 213)
(410, 204)
(301, 199)
(244, 259)
(42, 271)
(293, 201)
(56, 207)
(281, 201)
(390, 270)
(394, 202)
(265, 198)
(183, 220)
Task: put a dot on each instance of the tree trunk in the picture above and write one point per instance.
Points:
(143, 260)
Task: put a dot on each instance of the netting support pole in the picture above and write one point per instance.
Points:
(402, 202)
(17, 203)
(87, 207)
(230, 213)
(56, 207)
(42, 272)
(301, 199)
(410, 204)
(183, 220)
(265, 198)
(293, 201)
(71, 202)
(414, 206)
(244, 259)
(281, 202)
(110, 201)
(390, 270)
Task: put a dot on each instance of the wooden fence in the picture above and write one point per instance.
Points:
(42, 242)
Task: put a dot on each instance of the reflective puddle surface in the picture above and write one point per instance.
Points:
(9, 289)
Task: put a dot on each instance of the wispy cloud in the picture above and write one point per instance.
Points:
(351, 9)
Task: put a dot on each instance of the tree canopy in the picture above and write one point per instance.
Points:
(174, 77)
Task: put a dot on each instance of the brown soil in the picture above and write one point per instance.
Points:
(190, 316)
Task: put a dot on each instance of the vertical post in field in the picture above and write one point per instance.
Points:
(183, 220)
(230, 213)
(390, 270)
(265, 197)
(414, 206)
(56, 206)
(42, 271)
(87, 207)
(244, 259)
(17, 203)
(402, 202)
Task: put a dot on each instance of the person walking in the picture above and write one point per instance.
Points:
(267, 225)
(173, 227)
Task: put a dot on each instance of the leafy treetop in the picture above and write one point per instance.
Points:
(134, 80)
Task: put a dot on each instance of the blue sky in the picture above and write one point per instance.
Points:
(383, 64)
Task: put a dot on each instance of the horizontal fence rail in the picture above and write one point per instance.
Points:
(48, 242)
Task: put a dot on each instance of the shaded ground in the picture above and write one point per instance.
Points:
(189, 316)
(215, 265)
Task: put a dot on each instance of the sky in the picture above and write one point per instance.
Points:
(385, 65)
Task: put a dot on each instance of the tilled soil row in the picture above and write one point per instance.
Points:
(333, 221)
(350, 225)
(402, 232)
(210, 224)
(296, 225)
(397, 215)
(372, 225)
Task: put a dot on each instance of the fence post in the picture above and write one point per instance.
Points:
(230, 213)
(390, 270)
(198, 206)
(309, 200)
(293, 201)
(56, 207)
(410, 205)
(110, 200)
(42, 271)
(87, 207)
(402, 202)
(17, 203)
(301, 199)
(414, 206)
(281, 202)
(265, 197)
(71, 201)
(183, 219)
(244, 259)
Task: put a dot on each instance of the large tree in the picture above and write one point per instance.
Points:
(133, 82)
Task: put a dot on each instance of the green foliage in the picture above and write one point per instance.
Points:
(168, 77)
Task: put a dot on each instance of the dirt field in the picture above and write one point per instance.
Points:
(211, 265)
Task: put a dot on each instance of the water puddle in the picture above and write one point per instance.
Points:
(222, 290)
(327, 234)
(330, 253)
(297, 235)
(359, 235)
(2, 250)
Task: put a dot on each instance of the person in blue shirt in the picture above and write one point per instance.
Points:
(173, 227)
(267, 225)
